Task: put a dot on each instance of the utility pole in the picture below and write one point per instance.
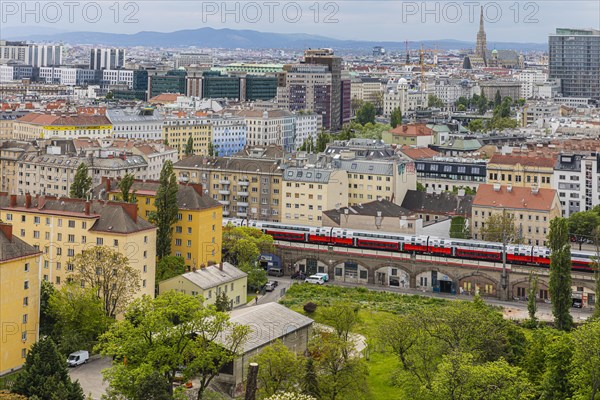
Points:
(504, 277)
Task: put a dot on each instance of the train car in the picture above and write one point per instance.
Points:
(320, 235)
(519, 254)
(342, 237)
(439, 246)
(540, 256)
(417, 244)
(583, 260)
(291, 233)
(378, 241)
(478, 250)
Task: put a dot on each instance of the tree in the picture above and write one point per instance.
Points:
(82, 183)
(308, 145)
(152, 387)
(434, 102)
(280, 369)
(47, 318)
(560, 273)
(366, 113)
(476, 125)
(169, 267)
(482, 104)
(355, 104)
(585, 374)
(421, 187)
(459, 377)
(555, 383)
(125, 185)
(499, 226)
(343, 318)
(222, 302)
(396, 117)
(109, 96)
(44, 375)
(111, 276)
(310, 383)
(166, 209)
(468, 190)
(461, 107)
(458, 228)
(583, 224)
(338, 377)
(532, 298)
(323, 139)
(173, 332)
(189, 147)
(242, 247)
(497, 98)
(80, 318)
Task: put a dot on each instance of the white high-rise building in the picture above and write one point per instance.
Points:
(577, 180)
(30, 54)
(529, 78)
(107, 58)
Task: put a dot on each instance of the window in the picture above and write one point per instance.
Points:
(26, 267)
(25, 318)
(26, 285)
(71, 239)
(190, 217)
(189, 243)
(189, 231)
(99, 241)
(25, 301)
(36, 220)
(71, 224)
(115, 243)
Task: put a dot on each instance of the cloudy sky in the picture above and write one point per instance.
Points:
(392, 20)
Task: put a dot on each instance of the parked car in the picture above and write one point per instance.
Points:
(577, 303)
(275, 272)
(78, 358)
(315, 279)
(270, 286)
(324, 276)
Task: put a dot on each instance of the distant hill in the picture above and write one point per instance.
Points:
(246, 39)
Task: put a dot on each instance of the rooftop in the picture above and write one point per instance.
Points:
(437, 203)
(516, 197)
(525, 160)
(213, 276)
(412, 130)
(64, 120)
(377, 208)
(11, 246)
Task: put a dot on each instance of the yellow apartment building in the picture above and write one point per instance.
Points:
(521, 170)
(209, 282)
(246, 187)
(47, 126)
(63, 227)
(19, 298)
(178, 131)
(531, 208)
(309, 192)
(197, 235)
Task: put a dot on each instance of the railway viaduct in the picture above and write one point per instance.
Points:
(423, 272)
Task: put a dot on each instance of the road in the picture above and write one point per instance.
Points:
(90, 376)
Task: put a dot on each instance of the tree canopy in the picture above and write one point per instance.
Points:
(82, 183)
(125, 185)
(366, 113)
(500, 225)
(167, 209)
(560, 273)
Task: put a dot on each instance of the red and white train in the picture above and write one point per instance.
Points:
(456, 248)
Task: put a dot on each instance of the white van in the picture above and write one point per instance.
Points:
(323, 276)
(315, 279)
(78, 358)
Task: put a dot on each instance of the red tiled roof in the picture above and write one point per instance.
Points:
(165, 98)
(545, 162)
(64, 120)
(517, 198)
(412, 130)
(418, 152)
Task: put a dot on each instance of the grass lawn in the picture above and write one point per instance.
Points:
(381, 367)
(250, 297)
(7, 380)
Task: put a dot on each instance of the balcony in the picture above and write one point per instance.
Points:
(242, 214)
(242, 194)
(242, 203)
(226, 213)
(225, 191)
(224, 202)
(184, 179)
(243, 183)
(225, 182)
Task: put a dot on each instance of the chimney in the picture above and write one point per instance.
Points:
(12, 202)
(221, 266)
(130, 209)
(88, 207)
(197, 187)
(27, 200)
(106, 182)
(6, 230)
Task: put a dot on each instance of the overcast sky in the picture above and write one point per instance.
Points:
(369, 20)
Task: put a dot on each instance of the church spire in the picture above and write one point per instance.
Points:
(481, 46)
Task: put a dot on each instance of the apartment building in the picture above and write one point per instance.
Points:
(10, 153)
(246, 187)
(155, 154)
(367, 89)
(101, 59)
(419, 135)
(197, 234)
(540, 113)
(178, 131)
(45, 126)
(521, 170)
(577, 180)
(532, 209)
(306, 193)
(450, 173)
(306, 125)
(229, 134)
(529, 79)
(145, 123)
(53, 174)
(61, 228)
(403, 97)
(69, 76)
(209, 282)
(19, 298)
(269, 127)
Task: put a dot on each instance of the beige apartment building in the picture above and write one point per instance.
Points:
(178, 131)
(307, 192)
(521, 170)
(46, 126)
(246, 187)
(11, 152)
(532, 208)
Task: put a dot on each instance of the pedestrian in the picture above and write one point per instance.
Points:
(256, 300)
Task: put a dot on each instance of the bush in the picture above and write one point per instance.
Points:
(310, 307)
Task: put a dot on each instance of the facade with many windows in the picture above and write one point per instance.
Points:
(447, 173)
(577, 180)
(521, 170)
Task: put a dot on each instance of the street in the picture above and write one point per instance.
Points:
(90, 376)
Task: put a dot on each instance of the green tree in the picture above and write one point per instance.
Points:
(434, 101)
(532, 299)
(497, 99)
(555, 383)
(355, 104)
(47, 318)
(44, 375)
(109, 96)
(82, 183)
(310, 383)
(80, 318)
(167, 334)
(323, 140)
(365, 114)
(152, 387)
(108, 272)
(482, 104)
(459, 377)
(583, 224)
(476, 125)
(421, 187)
(308, 145)
(169, 267)
(560, 273)
(500, 225)
(125, 185)
(222, 302)
(166, 209)
(343, 318)
(458, 228)
(189, 147)
(585, 373)
(461, 107)
(280, 369)
(396, 117)
(242, 247)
